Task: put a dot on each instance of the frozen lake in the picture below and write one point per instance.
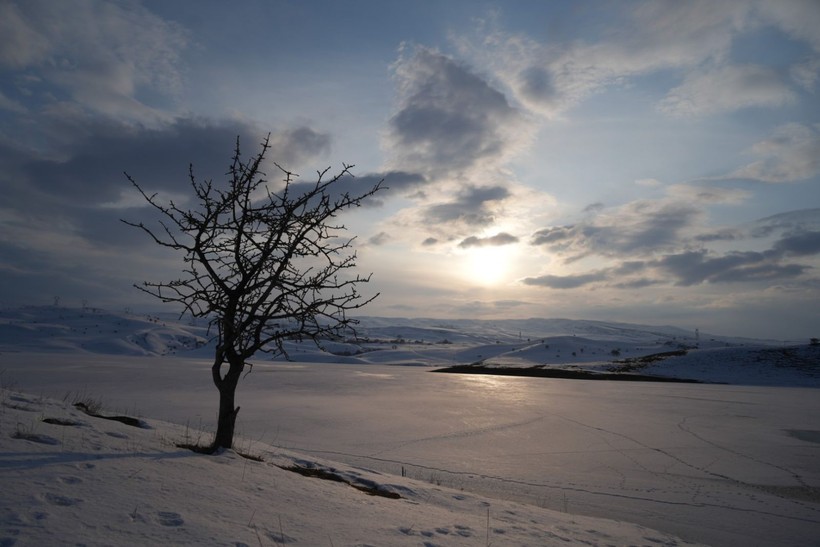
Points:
(718, 464)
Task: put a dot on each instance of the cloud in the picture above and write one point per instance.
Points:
(449, 120)
(20, 43)
(593, 207)
(554, 236)
(727, 88)
(564, 281)
(639, 228)
(11, 105)
(357, 185)
(799, 18)
(693, 39)
(101, 56)
(695, 267)
(799, 244)
(474, 206)
(297, 144)
(499, 239)
(635, 228)
(789, 221)
(791, 154)
(379, 239)
(551, 78)
(158, 158)
(659, 242)
(725, 234)
(429, 242)
(457, 131)
(806, 73)
(67, 210)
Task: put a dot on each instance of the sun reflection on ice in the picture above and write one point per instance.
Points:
(506, 388)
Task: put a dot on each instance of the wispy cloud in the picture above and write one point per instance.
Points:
(727, 88)
(683, 266)
(565, 281)
(791, 154)
(100, 56)
(637, 228)
(552, 78)
(693, 38)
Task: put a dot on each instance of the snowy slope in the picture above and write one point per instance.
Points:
(69, 478)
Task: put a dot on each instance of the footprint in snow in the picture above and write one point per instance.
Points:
(62, 501)
(168, 518)
(70, 480)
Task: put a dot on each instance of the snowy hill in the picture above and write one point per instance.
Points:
(55, 329)
(553, 343)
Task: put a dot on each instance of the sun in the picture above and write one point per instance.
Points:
(487, 266)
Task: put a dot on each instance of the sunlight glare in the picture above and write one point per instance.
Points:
(487, 265)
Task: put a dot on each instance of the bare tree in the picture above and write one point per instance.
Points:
(264, 265)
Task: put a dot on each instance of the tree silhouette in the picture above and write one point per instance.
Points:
(264, 265)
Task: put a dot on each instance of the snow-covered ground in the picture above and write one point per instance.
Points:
(72, 479)
(715, 464)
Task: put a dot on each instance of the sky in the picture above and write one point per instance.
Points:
(648, 162)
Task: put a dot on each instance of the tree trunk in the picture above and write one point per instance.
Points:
(226, 385)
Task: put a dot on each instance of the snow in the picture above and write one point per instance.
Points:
(87, 480)
(547, 461)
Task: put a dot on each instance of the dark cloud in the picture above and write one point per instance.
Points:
(92, 171)
(449, 118)
(298, 144)
(379, 239)
(472, 207)
(654, 229)
(640, 227)
(157, 159)
(501, 238)
(62, 205)
(801, 244)
(630, 267)
(719, 235)
(536, 85)
(639, 283)
(402, 181)
(649, 241)
(430, 241)
(565, 281)
(391, 181)
(695, 267)
(553, 236)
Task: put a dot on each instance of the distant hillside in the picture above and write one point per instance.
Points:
(554, 343)
(57, 329)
